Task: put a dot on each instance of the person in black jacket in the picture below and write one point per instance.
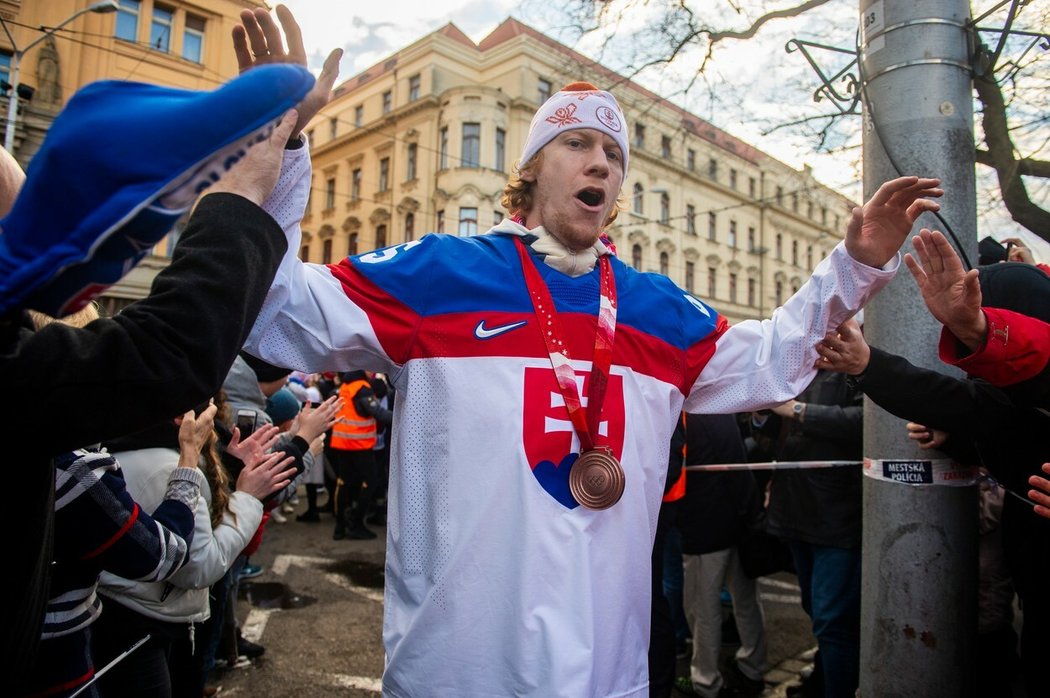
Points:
(714, 516)
(160, 356)
(818, 512)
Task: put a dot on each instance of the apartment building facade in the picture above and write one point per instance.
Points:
(424, 141)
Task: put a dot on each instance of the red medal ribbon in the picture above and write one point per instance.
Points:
(585, 422)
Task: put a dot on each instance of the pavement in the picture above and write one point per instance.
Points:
(318, 606)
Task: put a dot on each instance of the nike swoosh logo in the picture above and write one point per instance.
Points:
(482, 332)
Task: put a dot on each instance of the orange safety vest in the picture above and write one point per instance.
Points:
(353, 431)
(677, 490)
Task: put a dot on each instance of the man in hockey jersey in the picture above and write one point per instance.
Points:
(538, 382)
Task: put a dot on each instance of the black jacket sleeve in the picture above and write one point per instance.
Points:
(162, 355)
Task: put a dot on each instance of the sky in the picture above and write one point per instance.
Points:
(738, 94)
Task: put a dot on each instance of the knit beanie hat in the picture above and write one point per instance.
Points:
(265, 372)
(282, 406)
(119, 166)
(577, 105)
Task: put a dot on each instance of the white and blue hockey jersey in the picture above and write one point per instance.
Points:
(497, 582)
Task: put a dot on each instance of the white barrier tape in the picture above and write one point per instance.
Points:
(941, 471)
(774, 465)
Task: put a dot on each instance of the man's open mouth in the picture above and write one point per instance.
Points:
(591, 196)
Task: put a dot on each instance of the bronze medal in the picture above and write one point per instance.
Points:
(597, 479)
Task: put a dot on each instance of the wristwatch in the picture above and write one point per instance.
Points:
(798, 410)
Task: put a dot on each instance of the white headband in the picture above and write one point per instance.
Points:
(577, 105)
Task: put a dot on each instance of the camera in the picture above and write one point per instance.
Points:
(246, 422)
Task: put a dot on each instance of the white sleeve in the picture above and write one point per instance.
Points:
(759, 363)
(307, 322)
(213, 550)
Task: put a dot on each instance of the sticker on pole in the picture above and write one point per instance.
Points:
(943, 471)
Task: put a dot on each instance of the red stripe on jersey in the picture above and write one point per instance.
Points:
(394, 323)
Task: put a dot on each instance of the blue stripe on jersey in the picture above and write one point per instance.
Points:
(441, 274)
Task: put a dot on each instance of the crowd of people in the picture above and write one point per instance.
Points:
(522, 467)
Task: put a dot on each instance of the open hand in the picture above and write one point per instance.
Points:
(257, 41)
(315, 421)
(1041, 494)
(255, 446)
(263, 476)
(255, 175)
(887, 218)
(952, 295)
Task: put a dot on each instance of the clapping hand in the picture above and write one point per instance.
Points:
(952, 294)
(876, 232)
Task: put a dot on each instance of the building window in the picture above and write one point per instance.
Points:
(333, 128)
(794, 252)
(712, 226)
(355, 185)
(809, 256)
(380, 236)
(193, 39)
(780, 196)
(823, 215)
(304, 253)
(665, 147)
(410, 161)
(410, 226)
(712, 169)
(778, 294)
(794, 203)
(5, 71)
(384, 174)
(636, 257)
(543, 90)
(639, 198)
(413, 88)
(443, 149)
(732, 178)
(359, 115)
(809, 210)
(665, 208)
(780, 247)
(326, 252)
(329, 193)
(690, 274)
(751, 292)
(639, 135)
(440, 221)
(470, 155)
(501, 150)
(752, 187)
(690, 160)
(160, 28)
(712, 282)
(468, 221)
(751, 238)
(388, 101)
(690, 219)
(127, 25)
(665, 263)
(732, 233)
(732, 287)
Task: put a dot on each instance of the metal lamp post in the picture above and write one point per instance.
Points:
(103, 7)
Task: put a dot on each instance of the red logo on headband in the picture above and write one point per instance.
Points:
(563, 116)
(608, 117)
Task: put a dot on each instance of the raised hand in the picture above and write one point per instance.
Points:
(887, 218)
(193, 434)
(255, 175)
(257, 41)
(263, 476)
(844, 350)
(1041, 494)
(952, 295)
(255, 446)
(314, 421)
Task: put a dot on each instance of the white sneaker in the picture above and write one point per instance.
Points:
(277, 517)
(288, 508)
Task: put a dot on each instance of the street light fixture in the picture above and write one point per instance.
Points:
(103, 7)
